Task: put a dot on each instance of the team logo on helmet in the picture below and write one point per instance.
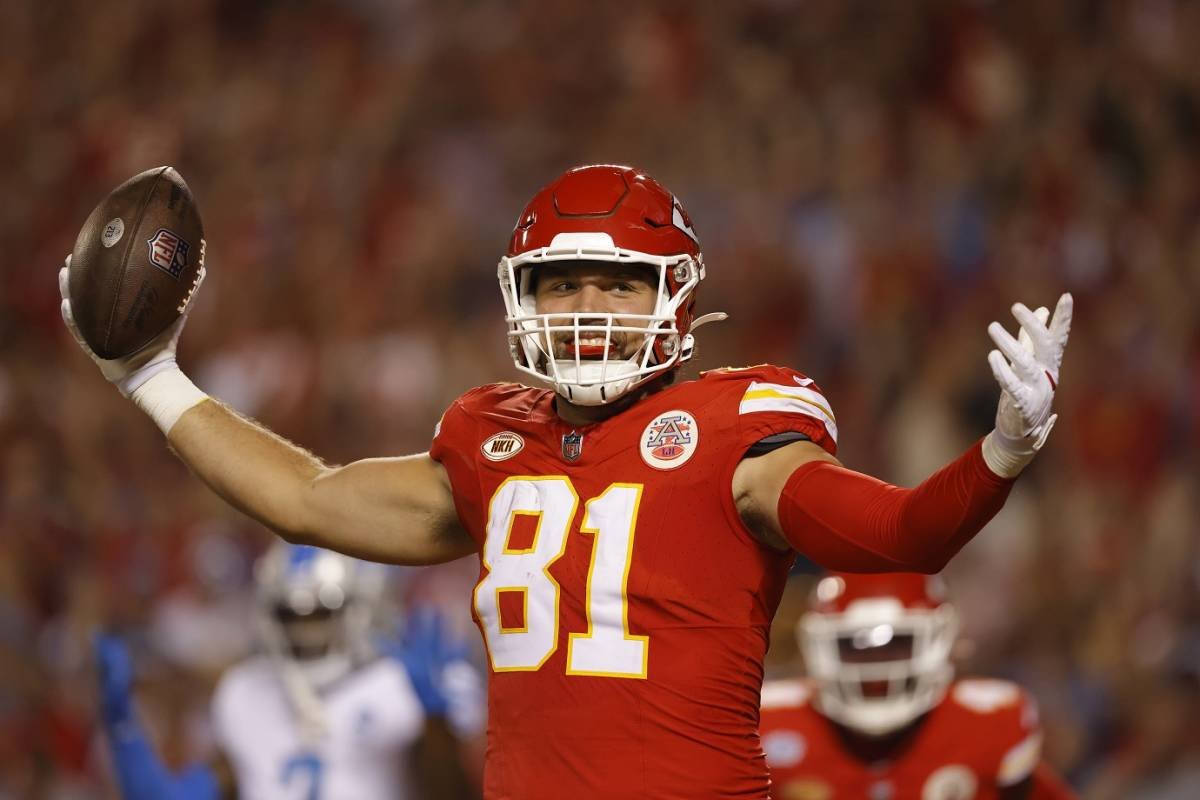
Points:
(670, 440)
(502, 446)
(168, 251)
(681, 220)
(572, 446)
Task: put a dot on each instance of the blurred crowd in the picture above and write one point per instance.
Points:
(872, 182)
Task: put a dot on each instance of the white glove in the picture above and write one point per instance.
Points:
(130, 372)
(1027, 370)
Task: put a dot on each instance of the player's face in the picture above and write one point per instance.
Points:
(875, 645)
(308, 635)
(591, 287)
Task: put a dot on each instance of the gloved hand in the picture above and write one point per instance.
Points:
(130, 372)
(427, 651)
(140, 773)
(1027, 370)
(115, 669)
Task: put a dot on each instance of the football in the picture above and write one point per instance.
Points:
(136, 262)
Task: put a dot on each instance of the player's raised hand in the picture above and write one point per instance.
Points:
(114, 668)
(1027, 369)
(130, 372)
(428, 651)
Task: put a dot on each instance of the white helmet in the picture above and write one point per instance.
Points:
(878, 648)
(315, 612)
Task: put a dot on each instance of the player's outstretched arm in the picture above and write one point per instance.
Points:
(398, 510)
(798, 496)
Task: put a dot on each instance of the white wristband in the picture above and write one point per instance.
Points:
(1001, 460)
(166, 395)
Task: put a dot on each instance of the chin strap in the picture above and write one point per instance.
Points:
(306, 703)
(712, 316)
(301, 694)
(688, 342)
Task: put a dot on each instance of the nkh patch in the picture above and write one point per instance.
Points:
(572, 446)
(168, 251)
(669, 440)
(502, 445)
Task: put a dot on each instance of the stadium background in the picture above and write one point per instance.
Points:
(872, 182)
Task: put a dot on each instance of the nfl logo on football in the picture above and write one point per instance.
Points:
(168, 252)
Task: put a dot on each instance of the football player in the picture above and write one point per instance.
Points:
(882, 717)
(320, 714)
(633, 530)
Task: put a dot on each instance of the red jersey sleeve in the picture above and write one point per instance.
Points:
(1012, 736)
(455, 443)
(776, 400)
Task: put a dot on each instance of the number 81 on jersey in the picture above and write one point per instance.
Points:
(523, 573)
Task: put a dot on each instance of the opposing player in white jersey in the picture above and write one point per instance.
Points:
(319, 715)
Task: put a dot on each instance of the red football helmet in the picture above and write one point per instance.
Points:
(603, 213)
(878, 647)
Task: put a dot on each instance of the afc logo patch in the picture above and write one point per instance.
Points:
(168, 252)
(669, 440)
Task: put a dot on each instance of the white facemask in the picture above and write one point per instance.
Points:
(595, 382)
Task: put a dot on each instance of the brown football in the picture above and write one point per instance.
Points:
(136, 262)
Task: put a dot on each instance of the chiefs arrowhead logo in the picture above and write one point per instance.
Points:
(681, 220)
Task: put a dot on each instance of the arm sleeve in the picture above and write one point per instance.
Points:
(142, 776)
(847, 521)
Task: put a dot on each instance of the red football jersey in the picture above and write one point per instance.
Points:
(983, 736)
(623, 604)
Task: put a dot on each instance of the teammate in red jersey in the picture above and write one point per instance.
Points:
(633, 532)
(881, 716)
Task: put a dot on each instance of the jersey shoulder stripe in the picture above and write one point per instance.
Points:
(761, 397)
(1020, 762)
